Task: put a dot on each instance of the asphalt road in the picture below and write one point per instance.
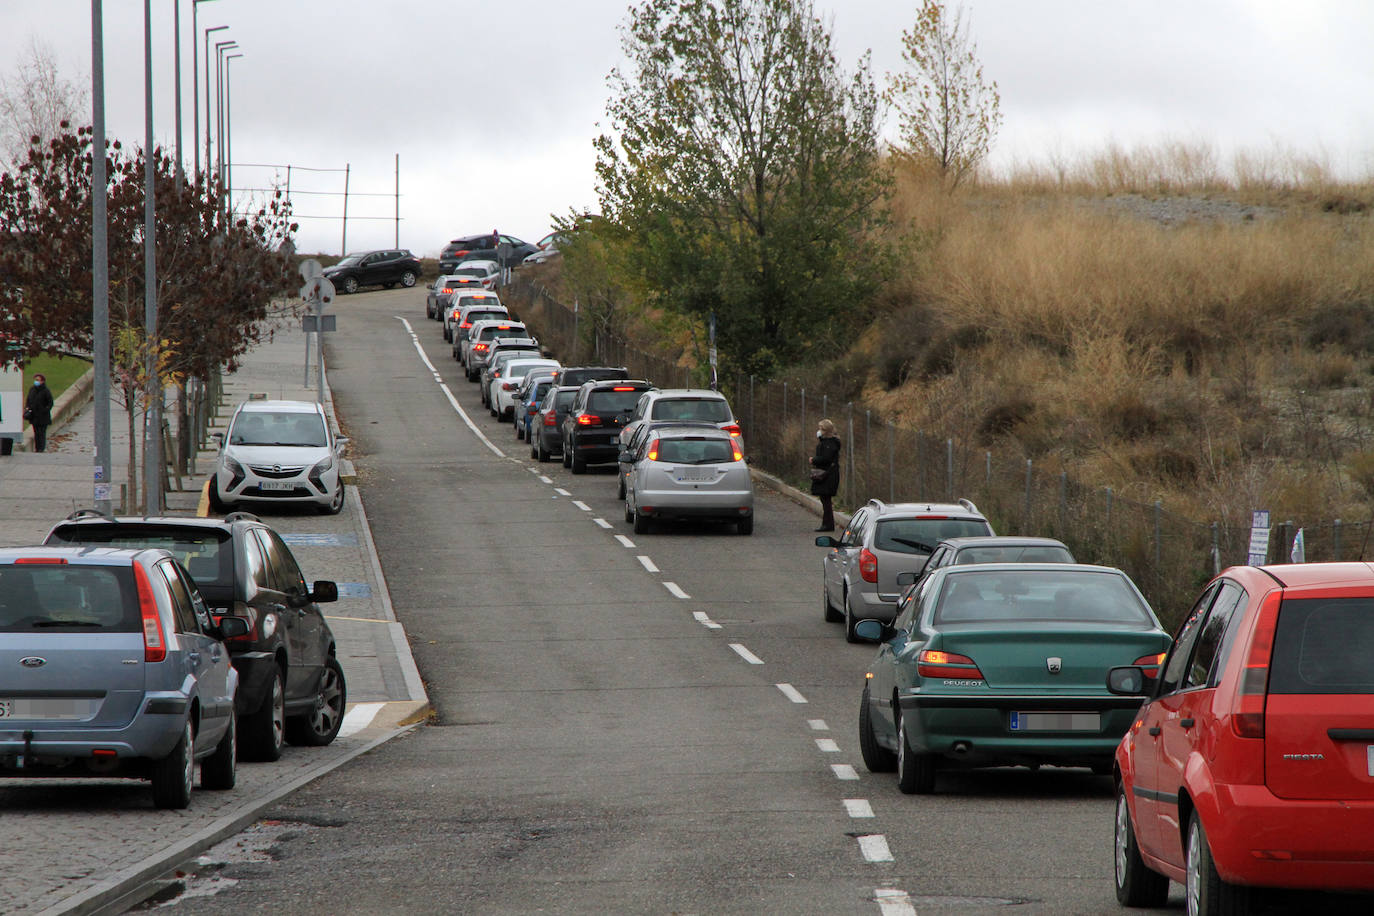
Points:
(654, 723)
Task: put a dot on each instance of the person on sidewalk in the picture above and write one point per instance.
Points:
(38, 411)
(825, 472)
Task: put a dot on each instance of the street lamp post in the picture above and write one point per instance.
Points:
(100, 264)
(217, 28)
(152, 425)
(229, 133)
(220, 48)
(176, 68)
(195, 86)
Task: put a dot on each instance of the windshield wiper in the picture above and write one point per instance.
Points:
(919, 545)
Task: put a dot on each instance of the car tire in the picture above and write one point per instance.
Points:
(1204, 891)
(389, 285)
(350, 285)
(219, 771)
(641, 522)
(745, 525)
(321, 725)
(335, 505)
(849, 620)
(408, 279)
(264, 732)
(216, 501)
(915, 771)
(448, 335)
(540, 452)
(877, 758)
(629, 513)
(1136, 885)
(173, 774)
(831, 615)
(567, 456)
(578, 465)
(620, 490)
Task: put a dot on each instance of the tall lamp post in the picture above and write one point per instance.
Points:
(216, 28)
(152, 425)
(229, 133)
(195, 85)
(220, 48)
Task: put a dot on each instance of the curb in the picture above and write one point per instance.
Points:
(805, 500)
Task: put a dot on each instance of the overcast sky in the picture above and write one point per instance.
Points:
(493, 114)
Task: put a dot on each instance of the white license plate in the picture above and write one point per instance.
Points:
(694, 474)
(1369, 753)
(277, 485)
(1056, 721)
(7, 710)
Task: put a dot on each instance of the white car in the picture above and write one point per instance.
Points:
(501, 396)
(488, 273)
(279, 452)
(466, 299)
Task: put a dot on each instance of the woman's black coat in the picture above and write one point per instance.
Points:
(827, 457)
(39, 404)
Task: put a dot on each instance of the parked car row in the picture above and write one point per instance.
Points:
(139, 647)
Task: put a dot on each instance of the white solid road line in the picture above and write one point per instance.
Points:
(791, 693)
(858, 807)
(448, 393)
(827, 745)
(625, 542)
(893, 902)
(676, 591)
(843, 771)
(602, 522)
(359, 718)
(818, 725)
(745, 654)
(647, 563)
(874, 848)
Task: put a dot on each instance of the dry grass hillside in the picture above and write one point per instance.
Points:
(1143, 323)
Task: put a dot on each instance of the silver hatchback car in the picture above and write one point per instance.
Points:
(859, 575)
(689, 472)
(111, 666)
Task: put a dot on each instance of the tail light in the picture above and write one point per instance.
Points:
(653, 450)
(1247, 721)
(588, 419)
(509, 386)
(934, 663)
(479, 347)
(868, 565)
(154, 646)
(465, 325)
(739, 456)
(1150, 664)
(733, 430)
(448, 289)
(551, 418)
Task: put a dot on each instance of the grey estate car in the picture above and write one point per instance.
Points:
(689, 472)
(110, 666)
(859, 573)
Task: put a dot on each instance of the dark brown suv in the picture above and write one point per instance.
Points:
(591, 429)
(384, 267)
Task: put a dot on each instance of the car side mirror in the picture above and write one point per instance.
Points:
(218, 437)
(826, 540)
(626, 456)
(325, 591)
(873, 630)
(232, 627)
(340, 442)
(1127, 681)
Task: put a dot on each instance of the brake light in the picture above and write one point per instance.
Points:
(588, 419)
(550, 418)
(41, 561)
(448, 289)
(1248, 719)
(623, 388)
(154, 648)
(509, 386)
(653, 450)
(1150, 663)
(934, 663)
(479, 346)
(868, 565)
(739, 456)
(733, 430)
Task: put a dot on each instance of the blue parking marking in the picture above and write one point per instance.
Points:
(354, 590)
(307, 539)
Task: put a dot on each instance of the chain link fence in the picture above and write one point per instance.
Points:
(1168, 555)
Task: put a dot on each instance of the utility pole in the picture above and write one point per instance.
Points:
(100, 264)
(152, 425)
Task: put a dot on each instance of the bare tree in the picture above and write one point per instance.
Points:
(35, 98)
(949, 113)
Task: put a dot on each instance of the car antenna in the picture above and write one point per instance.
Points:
(1365, 543)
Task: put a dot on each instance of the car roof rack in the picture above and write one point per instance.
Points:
(240, 516)
(89, 513)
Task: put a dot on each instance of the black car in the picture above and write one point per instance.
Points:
(481, 248)
(591, 430)
(575, 376)
(385, 267)
(291, 686)
(546, 428)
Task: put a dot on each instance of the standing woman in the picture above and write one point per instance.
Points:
(38, 411)
(825, 472)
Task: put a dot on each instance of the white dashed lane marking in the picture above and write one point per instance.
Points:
(676, 591)
(705, 621)
(874, 848)
(545, 480)
(843, 771)
(818, 725)
(791, 693)
(581, 505)
(858, 807)
(894, 902)
(602, 522)
(647, 563)
(625, 542)
(561, 492)
(827, 745)
(745, 654)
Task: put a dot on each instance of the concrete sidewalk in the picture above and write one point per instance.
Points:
(100, 852)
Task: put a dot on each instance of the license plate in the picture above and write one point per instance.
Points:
(277, 485)
(7, 710)
(1369, 754)
(690, 473)
(1056, 721)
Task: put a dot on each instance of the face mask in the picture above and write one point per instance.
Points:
(819, 434)
(37, 382)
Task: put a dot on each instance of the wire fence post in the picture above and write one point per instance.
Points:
(1216, 550)
(1026, 515)
(1159, 511)
(868, 453)
(803, 411)
(949, 468)
(752, 425)
(1336, 540)
(891, 462)
(849, 453)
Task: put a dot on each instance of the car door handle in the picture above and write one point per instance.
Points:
(1155, 730)
(1187, 723)
(193, 656)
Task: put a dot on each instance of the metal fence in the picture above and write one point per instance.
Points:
(1169, 556)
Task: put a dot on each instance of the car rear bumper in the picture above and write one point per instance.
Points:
(30, 748)
(1263, 840)
(676, 503)
(978, 727)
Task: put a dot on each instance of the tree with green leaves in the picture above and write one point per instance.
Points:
(949, 114)
(742, 174)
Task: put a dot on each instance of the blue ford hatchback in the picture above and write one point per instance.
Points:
(110, 666)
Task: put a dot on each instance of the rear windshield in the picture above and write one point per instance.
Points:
(474, 317)
(262, 427)
(695, 451)
(207, 554)
(471, 272)
(712, 410)
(592, 374)
(488, 301)
(561, 399)
(540, 389)
(609, 401)
(1043, 595)
(1324, 645)
(920, 535)
(65, 597)
(495, 331)
(1009, 554)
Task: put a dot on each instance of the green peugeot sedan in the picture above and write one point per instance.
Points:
(1004, 665)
